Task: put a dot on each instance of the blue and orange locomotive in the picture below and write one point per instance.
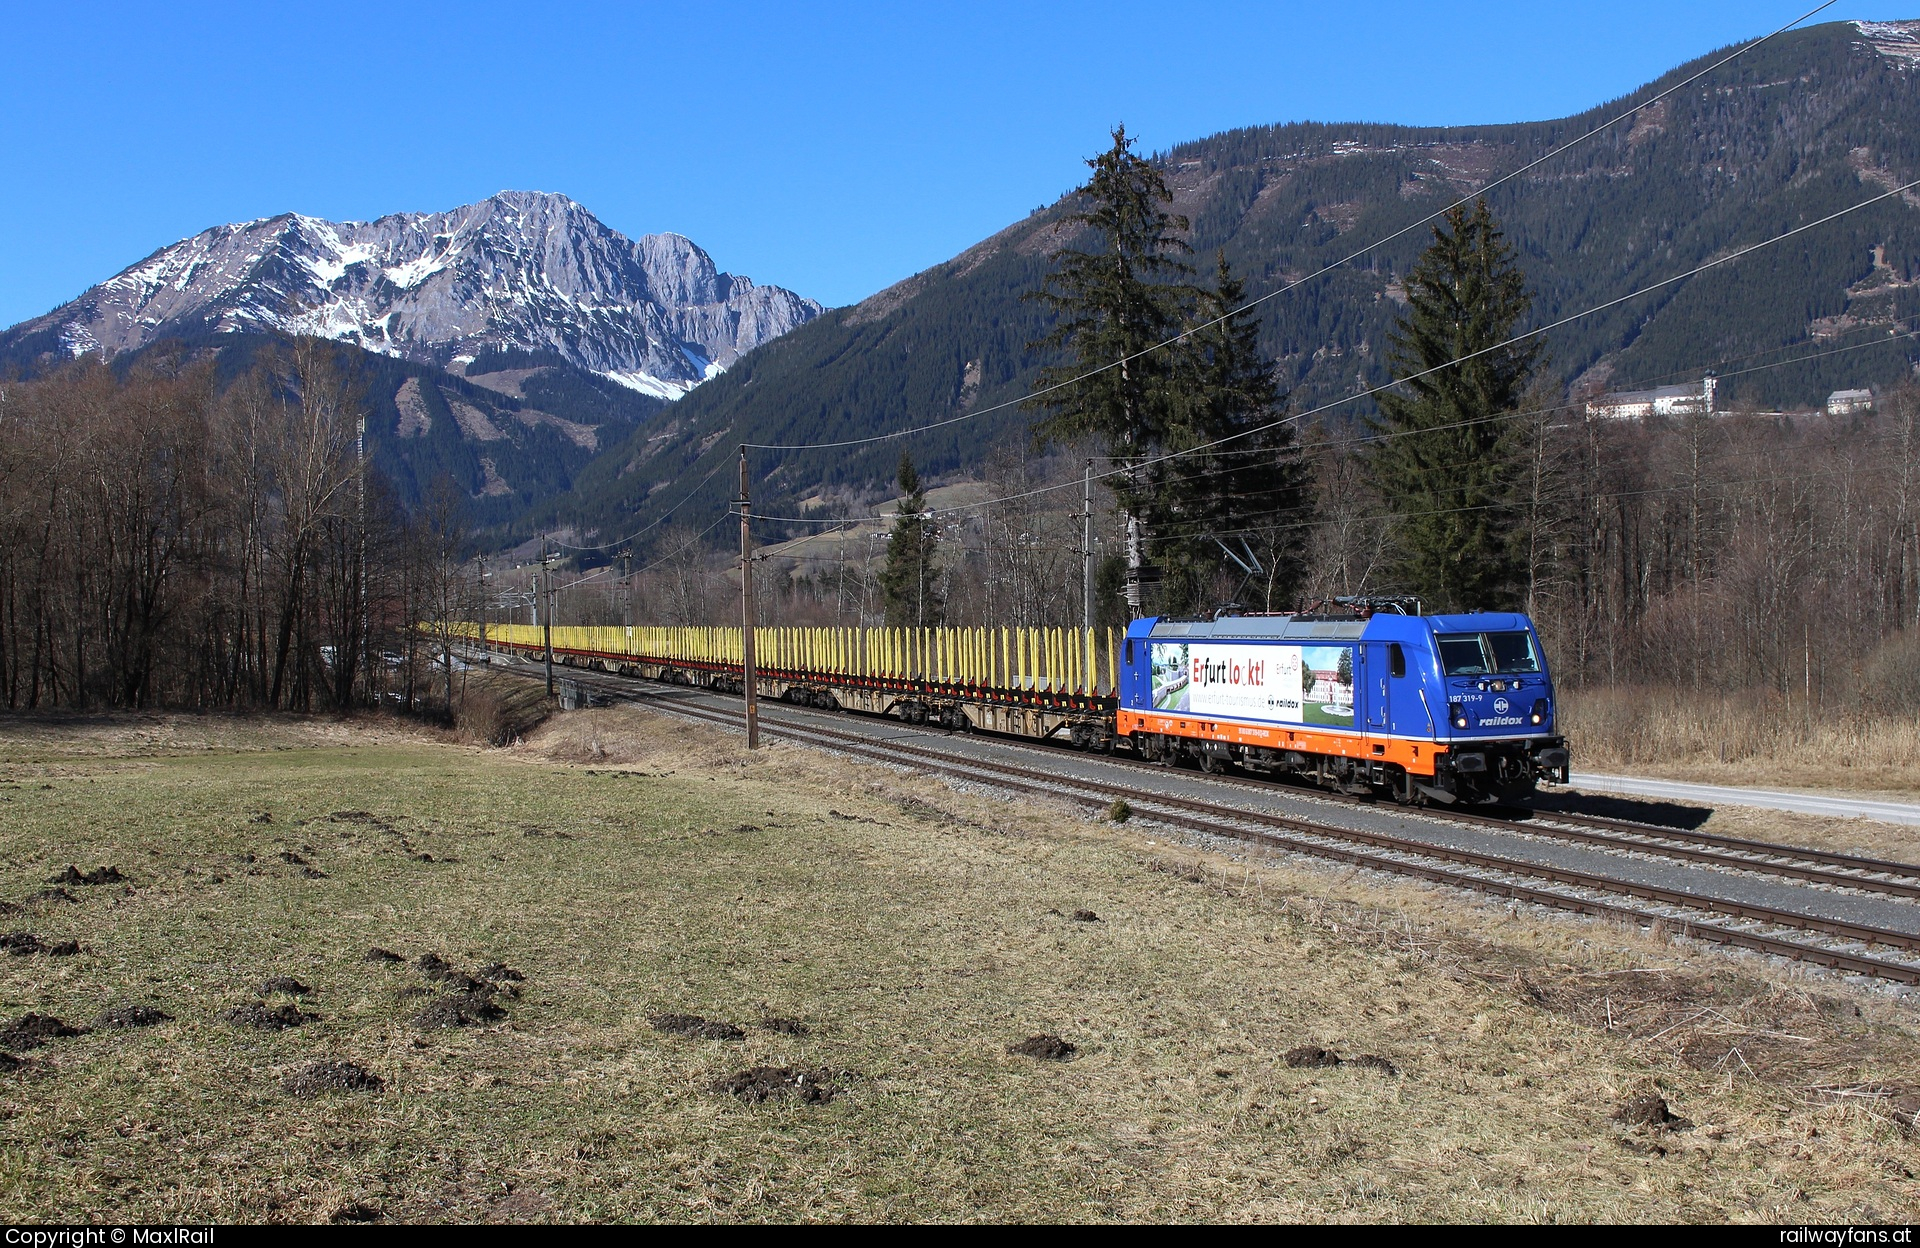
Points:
(1364, 695)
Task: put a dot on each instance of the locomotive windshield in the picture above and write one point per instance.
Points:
(1463, 656)
(1483, 654)
(1512, 652)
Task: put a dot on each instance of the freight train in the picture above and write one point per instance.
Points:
(1364, 696)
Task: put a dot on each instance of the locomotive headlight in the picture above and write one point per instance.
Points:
(1539, 710)
(1457, 712)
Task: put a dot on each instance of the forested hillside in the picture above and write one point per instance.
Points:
(1805, 125)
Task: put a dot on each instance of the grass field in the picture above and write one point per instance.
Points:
(630, 867)
(1706, 738)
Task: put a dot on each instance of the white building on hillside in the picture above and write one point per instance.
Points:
(1693, 400)
(1847, 402)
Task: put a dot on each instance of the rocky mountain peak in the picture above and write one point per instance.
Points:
(526, 270)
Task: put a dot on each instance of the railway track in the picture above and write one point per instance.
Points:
(1842, 945)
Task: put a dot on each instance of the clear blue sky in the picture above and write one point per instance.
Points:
(832, 149)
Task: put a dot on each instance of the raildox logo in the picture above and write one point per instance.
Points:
(1499, 706)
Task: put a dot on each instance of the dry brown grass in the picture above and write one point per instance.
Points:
(633, 865)
(1746, 739)
(492, 709)
(132, 735)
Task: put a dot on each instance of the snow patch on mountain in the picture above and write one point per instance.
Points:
(1898, 40)
(658, 387)
(520, 270)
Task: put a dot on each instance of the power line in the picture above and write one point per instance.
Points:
(689, 545)
(1322, 272)
(655, 522)
(1598, 494)
(1252, 530)
(1370, 391)
(1695, 271)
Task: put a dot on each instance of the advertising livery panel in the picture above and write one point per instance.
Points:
(1291, 684)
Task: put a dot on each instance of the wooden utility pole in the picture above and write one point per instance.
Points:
(626, 588)
(1086, 548)
(360, 559)
(546, 613)
(746, 611)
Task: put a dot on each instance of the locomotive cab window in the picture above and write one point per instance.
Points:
(1396, 660)
(1485, 654)
(1512, 653)
(1463, 656)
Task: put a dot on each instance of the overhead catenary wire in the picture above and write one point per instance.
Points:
(652, 524)
(1609, 495)
(1379, 436)
(689, 544)
(1389, 435)
(1510, 176)
(1369, 391)
(1718, 368)
(1555, 409)
(1184, 334)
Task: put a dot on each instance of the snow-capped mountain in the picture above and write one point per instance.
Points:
(520, 270)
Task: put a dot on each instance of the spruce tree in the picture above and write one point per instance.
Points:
(1447, 454)
(909, 583)
(1252, 486)
(1126, 295)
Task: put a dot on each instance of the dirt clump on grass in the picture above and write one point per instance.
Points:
(99, 875)
(786, 1026)
(377, 955)
(324, 1077)
(458, 1010)
(1045, 1047)
(53, 894)
(767, 1083)
(694, 1027)
(355, 1213)
(433, 966)
(286, 984)
(1084, 916)
(33, 1030)
(21, 944)
(500, 973)
(256, 1014)
(1311, 1057)
(461, 982)
(124, 1016)
(1649, 1110)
